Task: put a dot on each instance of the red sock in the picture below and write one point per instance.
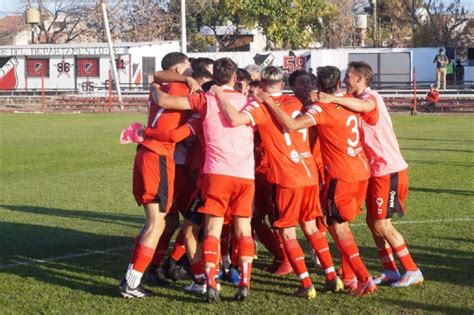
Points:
(178, 250)
(347, 272)
(296, 257)
(351, 251)
(136, 242)
(210, 254)
(386, 257)
(234, 254)
(162, 247)
(225, 239)
(405, 258)
(246, 248)
(320, 245)
(267, 238)
(197, 269)
(142, 258)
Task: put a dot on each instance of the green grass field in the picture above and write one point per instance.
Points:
(67, 219)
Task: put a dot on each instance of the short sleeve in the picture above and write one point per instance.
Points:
(197, 102)
(316, 113)
(178, 89)
(373, 116)
(255, 112)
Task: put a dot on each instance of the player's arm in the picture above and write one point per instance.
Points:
(234, 117)
(166, 76)
(289, 123)
(167, 101)
(351, 103)
(175, 135)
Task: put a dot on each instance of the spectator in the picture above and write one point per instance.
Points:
(432, 98)
(441, 63)
(459, 73)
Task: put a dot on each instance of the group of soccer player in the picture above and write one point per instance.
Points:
(228, 150)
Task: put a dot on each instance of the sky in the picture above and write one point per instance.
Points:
(13, 7)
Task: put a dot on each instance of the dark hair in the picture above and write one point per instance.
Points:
(255, 83)
(294, 75)
(271, 74)
(201, 62)
(199, 72)
(172, 59)
(224, 69)
(207, 85)
(364, 69)
(328, 79)
(243, 75)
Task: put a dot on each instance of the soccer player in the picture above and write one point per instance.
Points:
(388, 184)
(153, 173)
(295, 174)
(228, 182)
(346, 168)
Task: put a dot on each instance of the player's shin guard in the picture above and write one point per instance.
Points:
(210, 252)
(136, 243)
(296, 257)
(246, 248)
(386, 257)
(320, 245)
(351, 251)
(405, 258)
(178, 250)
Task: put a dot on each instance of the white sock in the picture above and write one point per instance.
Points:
(133, 278)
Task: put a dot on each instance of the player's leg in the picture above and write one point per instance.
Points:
(246, 252)
(211, 254)
(194, 254)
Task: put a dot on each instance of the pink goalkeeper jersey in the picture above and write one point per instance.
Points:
(379, 140)
(229, 150)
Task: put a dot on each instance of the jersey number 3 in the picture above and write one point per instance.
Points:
(355, 130)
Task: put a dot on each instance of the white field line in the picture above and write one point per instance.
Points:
(88, 252)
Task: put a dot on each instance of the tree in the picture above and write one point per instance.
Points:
(337, 29)
(286, 23)
(443, 25)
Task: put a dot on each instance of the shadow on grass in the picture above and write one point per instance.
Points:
(103, 217)
(445, 191)
(428, 307)
(435, 149)
(443, 163)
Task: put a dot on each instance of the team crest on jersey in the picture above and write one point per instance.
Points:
(379, 202)
(295, 156)
(351, 151)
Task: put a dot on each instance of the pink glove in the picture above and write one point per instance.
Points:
(131, 135)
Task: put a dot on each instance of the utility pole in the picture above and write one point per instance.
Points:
(183, 27)
(112, 54)
(374, 17)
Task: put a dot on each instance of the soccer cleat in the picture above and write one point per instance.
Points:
(408, 279)
(309, 293)
(350, 284)
(365, 288)
(196, 288)
(213, 295)
(284, 269)
(233, 276)
(387, 277)
(243, 292)
(334, 285)
(273, 266)
(156, 278)
(131, 293)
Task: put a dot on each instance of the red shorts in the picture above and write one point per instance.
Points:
(342, 201)
(153, 177)
(227, 195)
(295, 205)
(184, 186)
(264, 196)
(386, 195)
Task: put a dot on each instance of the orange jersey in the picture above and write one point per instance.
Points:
(291, 162)
(261, 159)
(338, 130)
(164, 119)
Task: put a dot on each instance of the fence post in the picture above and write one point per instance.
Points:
(413, 108)
(110, 91)
(43, 105)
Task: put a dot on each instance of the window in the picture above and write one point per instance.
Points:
(87, 67)
(37, 68)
